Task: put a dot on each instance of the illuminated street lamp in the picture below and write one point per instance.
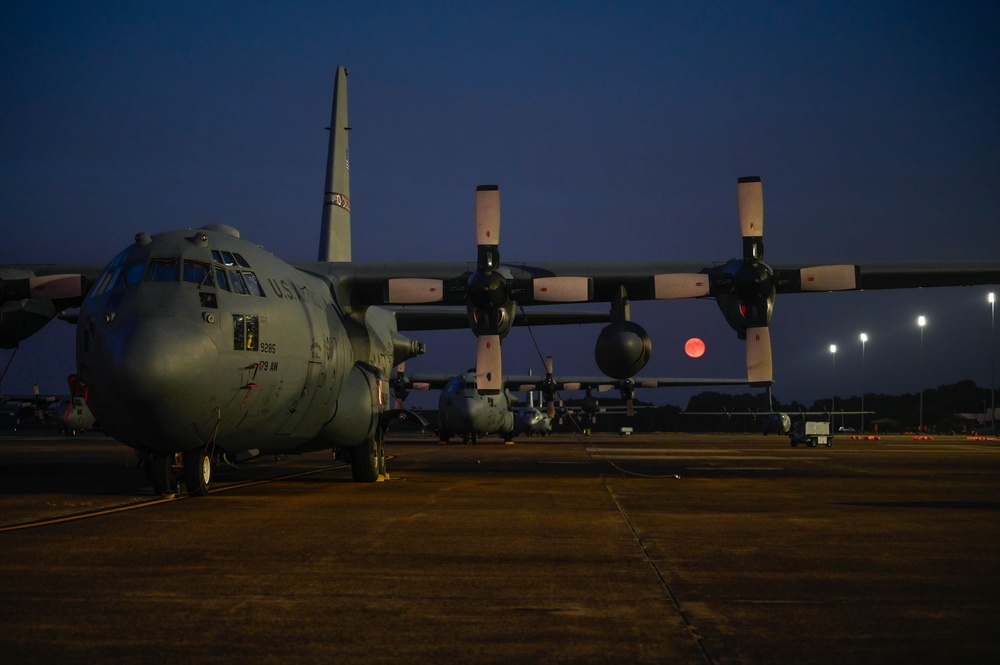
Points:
(833, 398)
(993, 364)
(921, 322)
(864, 338)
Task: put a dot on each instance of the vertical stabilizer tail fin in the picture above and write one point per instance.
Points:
(335, 230)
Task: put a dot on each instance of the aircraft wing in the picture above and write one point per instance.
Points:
(416, 317)
(603, 383)
(446, 283)
(32, 295)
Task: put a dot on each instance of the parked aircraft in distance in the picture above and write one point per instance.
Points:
(199, 345)
(466, 411)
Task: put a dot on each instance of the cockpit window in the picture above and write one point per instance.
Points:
(229, 259)
(220, 277)
(164, 269)
(198, 273)
(133, 273)
(236, 280)
(253, 285)
(110, 272)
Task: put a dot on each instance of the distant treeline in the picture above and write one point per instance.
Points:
(942, 411)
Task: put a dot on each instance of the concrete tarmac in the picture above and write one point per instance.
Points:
(645, 549)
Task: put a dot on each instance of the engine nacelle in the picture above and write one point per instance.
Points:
(623, 349)
(364, 398)
(20, 319)
(28, 302)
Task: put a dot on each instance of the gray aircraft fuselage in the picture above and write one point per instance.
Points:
(531, 420)
(199, 336)
(463, 410)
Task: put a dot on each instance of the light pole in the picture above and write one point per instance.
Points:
(993, 363)
(921, 322)
(833, 396)
(864, 338)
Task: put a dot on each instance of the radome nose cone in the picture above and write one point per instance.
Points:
(161, 360)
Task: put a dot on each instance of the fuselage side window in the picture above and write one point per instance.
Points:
(245, 332)
(251, 344)
(239, 332)
(164, 269)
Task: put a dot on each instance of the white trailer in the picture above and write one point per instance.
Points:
(811, 432)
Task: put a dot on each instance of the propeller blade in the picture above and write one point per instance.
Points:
(572, 385)
(407, 291)
(563, 289)
(829, 278)
(629, 408)
(488, 378)
(751, 204)
(681, 285)
(759, 371)
(548, 391)
(487, 216)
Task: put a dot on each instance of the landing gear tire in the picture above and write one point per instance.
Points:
(368, 459)
(197, 472)
(161, 472)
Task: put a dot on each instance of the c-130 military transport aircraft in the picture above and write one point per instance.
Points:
(198, 345)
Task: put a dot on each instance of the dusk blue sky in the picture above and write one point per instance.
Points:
(615, 131)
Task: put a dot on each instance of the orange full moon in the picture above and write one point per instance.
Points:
(694, 347)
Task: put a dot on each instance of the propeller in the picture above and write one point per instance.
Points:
(488, 292)
(745, 288)
(401, 385)
(754, 282)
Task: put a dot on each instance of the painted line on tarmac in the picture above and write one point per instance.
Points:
(120, 508)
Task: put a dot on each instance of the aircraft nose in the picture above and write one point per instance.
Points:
(158, 360)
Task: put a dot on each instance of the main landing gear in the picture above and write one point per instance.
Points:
(194, 466)
(368, 459)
